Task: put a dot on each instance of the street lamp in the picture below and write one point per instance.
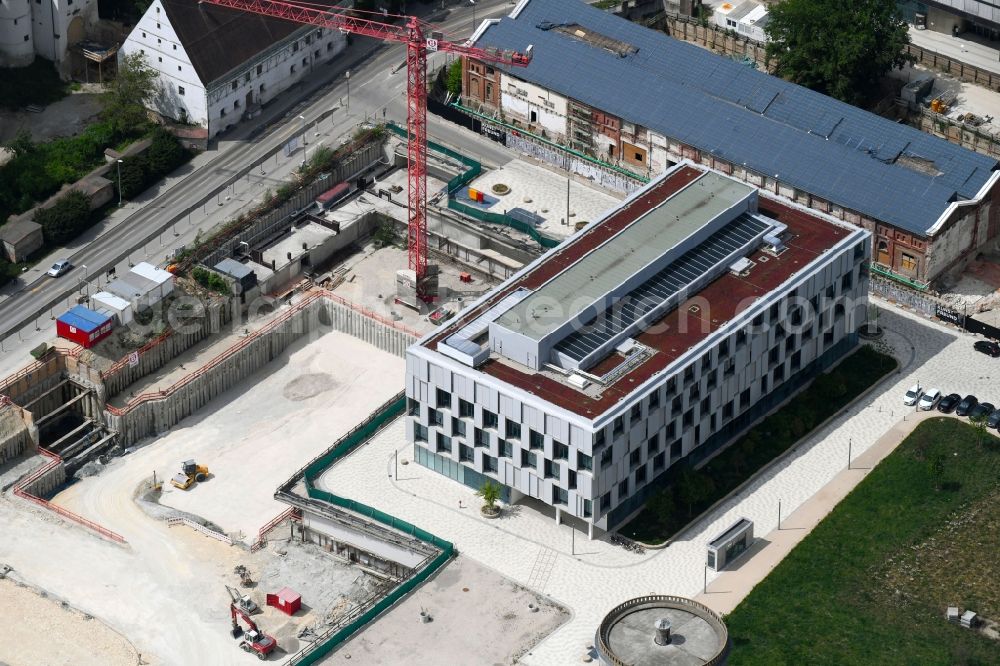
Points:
(304, 140)
(119, 184)
(347, 75)
(473, 3)
(86, 285)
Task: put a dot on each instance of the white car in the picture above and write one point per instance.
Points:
(60, 268)
(912, 395)
(929, 400)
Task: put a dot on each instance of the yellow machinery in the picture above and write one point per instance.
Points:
(189, 474)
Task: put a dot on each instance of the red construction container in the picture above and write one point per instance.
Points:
(286, 600)
(84, 326)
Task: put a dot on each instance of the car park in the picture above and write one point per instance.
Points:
(948, 403)
(929, 400)
(912, 395)
(968, 403)
(61, 267)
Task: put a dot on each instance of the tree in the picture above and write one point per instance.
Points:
(693, 488)
(662, 506)
(490, 492)
(455, 78)
(841, 48)
(129, 94)
(936, 467)
(65, 219)
(133, 176)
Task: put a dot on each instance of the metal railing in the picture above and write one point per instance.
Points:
(53, 462)
(261, 540)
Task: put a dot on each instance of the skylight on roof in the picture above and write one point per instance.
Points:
(579, 32)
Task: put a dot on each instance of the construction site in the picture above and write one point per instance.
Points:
(172, 448)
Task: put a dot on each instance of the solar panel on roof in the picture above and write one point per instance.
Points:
(760, 99)
(666, 283)
(675, 88)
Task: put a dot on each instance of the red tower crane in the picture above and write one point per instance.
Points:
(419, 38)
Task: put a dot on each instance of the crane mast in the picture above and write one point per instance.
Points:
(418, 42)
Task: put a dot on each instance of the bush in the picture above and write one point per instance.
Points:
(455, 78)
(64, 221)
(38, 170)
(210, 280)
(164, 154)
(8, 271)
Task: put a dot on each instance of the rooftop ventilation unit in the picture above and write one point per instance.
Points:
(773, 244)
(577, 381)
(741, 267)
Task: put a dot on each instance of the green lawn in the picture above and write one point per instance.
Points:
(687, 493)
(871, 583)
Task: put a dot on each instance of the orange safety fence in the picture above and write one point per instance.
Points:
(54, 461)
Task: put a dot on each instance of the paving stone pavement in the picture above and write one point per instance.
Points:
(599, 575)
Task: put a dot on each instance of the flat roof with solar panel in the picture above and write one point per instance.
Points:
(627, 298)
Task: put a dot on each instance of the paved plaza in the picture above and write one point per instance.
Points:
(592, 576)
(540, 191)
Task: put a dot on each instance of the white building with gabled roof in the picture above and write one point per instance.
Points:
(217, 66)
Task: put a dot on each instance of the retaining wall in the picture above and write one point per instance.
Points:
(15, 435)
(35, 379)
(153, 413)
(158, 352)
(276, 222)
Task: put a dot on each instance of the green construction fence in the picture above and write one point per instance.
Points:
(472, 171)
(383, 415)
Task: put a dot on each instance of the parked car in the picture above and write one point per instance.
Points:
(61, 267)
(929, 400)
(949, 402)
(968, 403)
(981, 412)
(987, 347)
(994, 420)
(912, 395)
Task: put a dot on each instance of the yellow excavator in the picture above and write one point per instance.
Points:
(189, 474)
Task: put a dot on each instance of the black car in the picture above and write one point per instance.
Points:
(968, 403)
(994, 420)
(987, 347)
(981, 412)
(949, 402)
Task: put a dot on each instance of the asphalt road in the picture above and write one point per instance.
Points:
(196, 194)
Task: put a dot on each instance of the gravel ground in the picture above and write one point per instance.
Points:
(39, 629)
(474, 611)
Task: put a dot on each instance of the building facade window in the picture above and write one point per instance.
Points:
(529, 459)
(584, 462)
(419, 432)
(490, 464)
(560, 451)
(536, 440)
(457, 427)
(466, 409)
(465, 453)
(442, 399)
(490, 419)
(180, 90)
(443, 443)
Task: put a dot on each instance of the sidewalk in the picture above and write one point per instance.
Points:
(730, 587)
(966, 47)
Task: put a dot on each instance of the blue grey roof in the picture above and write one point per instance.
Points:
(848, 156)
